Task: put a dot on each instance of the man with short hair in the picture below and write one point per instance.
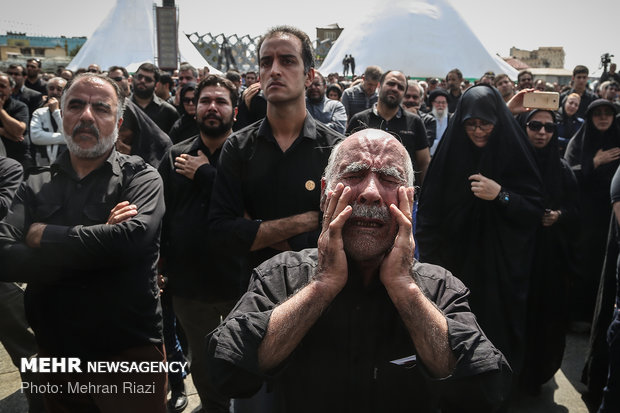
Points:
(580, 86)
(250, 78)
(187, 74)
(202, 289)
(163, 87)
(121, 76)
(388, 115)
(363, 96)
(84, 234)
(505, 86)
(328, 111)
(30, 97)
(46, 125)
(359, 321)
(437, 120)
(162, 113)
(525, 80)
(414, 97)
(235, 77)
(13, 122)
(266, 196)
(94, 68)
(453, 85)
(34, 80)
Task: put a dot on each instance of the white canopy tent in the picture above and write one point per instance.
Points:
(421, 38)
(126, 37)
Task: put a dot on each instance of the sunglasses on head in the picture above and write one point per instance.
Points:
(536, 125)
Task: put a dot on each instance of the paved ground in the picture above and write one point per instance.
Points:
(562, 394)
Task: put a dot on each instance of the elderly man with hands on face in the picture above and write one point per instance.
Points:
(358, 320)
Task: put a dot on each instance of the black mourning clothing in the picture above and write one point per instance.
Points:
(92, 288)
(349, 359)
(256, 179)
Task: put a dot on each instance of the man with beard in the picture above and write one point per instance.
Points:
(34, 80)
(84, 234)
(436, 121)
(388, 115)
(362, 96)
(46, 125)
(453, 85)
(413, 101)
(359, 321)
(162, 113)
(330, 112)
(202, 291)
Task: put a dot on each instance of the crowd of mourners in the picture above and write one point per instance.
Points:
(520, 204)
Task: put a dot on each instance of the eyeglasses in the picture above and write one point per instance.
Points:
(118, 78)
(536, 126)
(187, 101)
(484, 126)
(603, 112)
(147, 79)
(93, 70)
(13, 73)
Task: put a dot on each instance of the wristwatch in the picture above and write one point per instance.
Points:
(503, 197)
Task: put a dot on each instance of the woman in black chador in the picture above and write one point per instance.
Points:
(186, 126)
(554, 256)
(594, 155)
(480, 208)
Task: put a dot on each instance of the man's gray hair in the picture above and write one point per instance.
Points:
(120, 105)
(186, 66)
(10, 78)
(330, 175)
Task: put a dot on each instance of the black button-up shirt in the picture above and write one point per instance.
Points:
(256, 179)
(351, 357)
(193, 270)
(160, 112)
(92, 287)
(407, 127)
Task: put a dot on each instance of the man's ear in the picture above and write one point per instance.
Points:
(309, 77)
(323, 195)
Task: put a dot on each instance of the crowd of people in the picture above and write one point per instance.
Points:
(307, 241)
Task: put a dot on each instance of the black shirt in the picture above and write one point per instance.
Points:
(11, 173)
(256, 179)
(92, 287)
(17, 150)
(160, 112)
(349, 357)
(39, 85)
(193, 269)
(407, 127)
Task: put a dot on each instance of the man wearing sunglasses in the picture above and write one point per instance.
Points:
(162, 113)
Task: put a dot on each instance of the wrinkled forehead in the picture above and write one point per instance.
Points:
(374, 148)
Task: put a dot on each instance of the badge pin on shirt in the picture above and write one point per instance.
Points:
(310, 185)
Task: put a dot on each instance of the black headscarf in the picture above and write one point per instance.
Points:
(583, 147)
(549, 164)
(189, 86)
(485, 243)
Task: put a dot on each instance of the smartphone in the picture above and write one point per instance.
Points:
(542, 100)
